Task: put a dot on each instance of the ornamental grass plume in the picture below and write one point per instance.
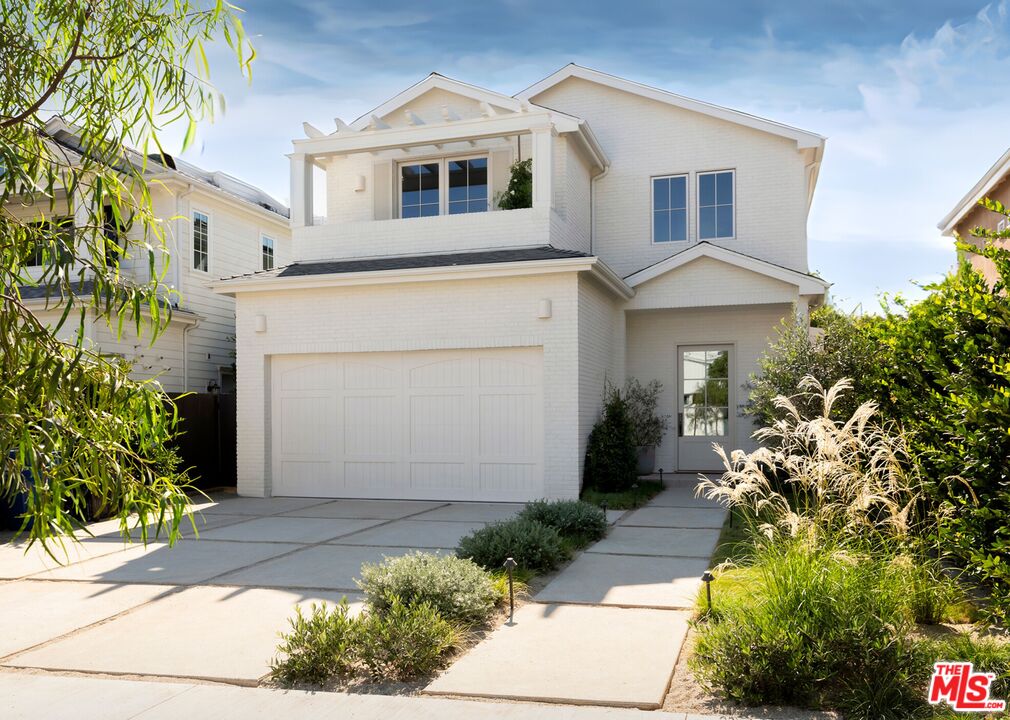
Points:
(818, 477)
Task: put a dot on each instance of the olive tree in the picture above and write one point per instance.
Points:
(71, 419)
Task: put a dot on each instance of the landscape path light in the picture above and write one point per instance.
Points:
(510, 565)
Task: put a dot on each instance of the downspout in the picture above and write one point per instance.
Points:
(177, 275)
(592, 205)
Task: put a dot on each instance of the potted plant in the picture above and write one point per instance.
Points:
(647, 425)
(519, 193)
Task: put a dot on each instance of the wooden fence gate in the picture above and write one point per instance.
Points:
(207, 440)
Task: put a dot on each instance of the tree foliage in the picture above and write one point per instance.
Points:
(116, 72)
(611, 456)
(839, 346)
(947, 381)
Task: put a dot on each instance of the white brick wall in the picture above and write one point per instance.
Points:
(645, 138)
(496, 312)
(653, 338)
(600, 321)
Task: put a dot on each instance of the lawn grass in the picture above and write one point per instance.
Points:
(635, 497)
(733, 538)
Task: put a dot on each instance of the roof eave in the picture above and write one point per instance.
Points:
(996, 174)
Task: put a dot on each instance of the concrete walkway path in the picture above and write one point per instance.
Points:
(609, 628)
(28, 697)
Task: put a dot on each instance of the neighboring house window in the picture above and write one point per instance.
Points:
(467, 185)
(57, 236)
(115, 235)
(669, 208)
(715, 205)
(419, 190)
(267, 244)
(201, 240)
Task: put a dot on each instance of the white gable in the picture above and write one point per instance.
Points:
(804, 139)
(706, 282)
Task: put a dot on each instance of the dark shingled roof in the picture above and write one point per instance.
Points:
(39, 292)
(410, 262)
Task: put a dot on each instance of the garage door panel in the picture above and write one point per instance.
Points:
(369, 424)
(309, 375)
(507, 424)
(439, 374)
(307, 479)
(438, 425)
(359, 375)
(371, 475)
(446, 424)
(516, 478)
(425, 477)
(500, 372)
(306, 440)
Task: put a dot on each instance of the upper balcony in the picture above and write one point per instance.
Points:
(427, 178)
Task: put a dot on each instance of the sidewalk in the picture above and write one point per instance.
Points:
(609, 628)
(29, 696)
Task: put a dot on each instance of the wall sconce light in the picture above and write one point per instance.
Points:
(359, 183)
(261, 323)
(545, 309)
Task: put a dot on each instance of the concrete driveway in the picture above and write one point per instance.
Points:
(208, 608)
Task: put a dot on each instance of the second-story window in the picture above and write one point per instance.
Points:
(716, 205)
(419, 195)
(450, 186)
(267, 250)
(201, 241)
(669, 208)
(467, 185)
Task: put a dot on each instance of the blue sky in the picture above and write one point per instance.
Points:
(913, 97)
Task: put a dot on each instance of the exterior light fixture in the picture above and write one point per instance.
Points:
(261, 323)
(707, 578)
(510, 565)
(213, 388)
(545, 309)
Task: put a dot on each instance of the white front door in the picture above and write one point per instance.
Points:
(705, 402)
(444, 425)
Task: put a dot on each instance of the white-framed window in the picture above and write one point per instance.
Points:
(201, 241)
(445, 186)
(716, 205)
(669, 208)
(267, 251)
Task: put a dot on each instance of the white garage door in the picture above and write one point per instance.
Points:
(448, 425)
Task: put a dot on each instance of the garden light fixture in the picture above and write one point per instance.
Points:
(707, 578)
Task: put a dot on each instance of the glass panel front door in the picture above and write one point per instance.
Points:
(705, 402)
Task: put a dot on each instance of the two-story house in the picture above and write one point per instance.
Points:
(426, 344)
(968, 214)
(215, 226)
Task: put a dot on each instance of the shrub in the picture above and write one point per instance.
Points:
(458, 589)
(814, 626)
(611, 458)
(642, 400)
(318, 647)
(840, 346)
(947, 380)
(534, 546)
(577, 521)
(405, 640)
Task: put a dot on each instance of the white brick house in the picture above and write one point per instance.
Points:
(239, 229)
(426, 344)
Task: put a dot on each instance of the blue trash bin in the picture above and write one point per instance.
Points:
(13, 510)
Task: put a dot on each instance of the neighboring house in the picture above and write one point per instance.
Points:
(968, 214)
(424, 344)
(215, 226)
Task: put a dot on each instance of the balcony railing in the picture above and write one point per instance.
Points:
(412, 236)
